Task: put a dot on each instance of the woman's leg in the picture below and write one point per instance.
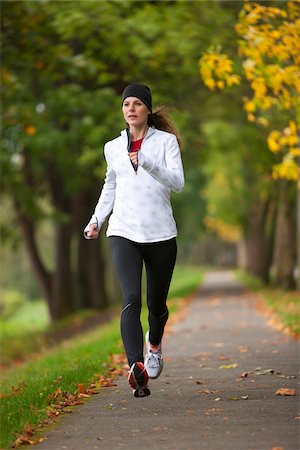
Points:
(159, 261)
(128, 263)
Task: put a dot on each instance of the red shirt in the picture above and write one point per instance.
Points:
(136, 145)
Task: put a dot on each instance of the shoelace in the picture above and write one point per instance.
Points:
(153, 359)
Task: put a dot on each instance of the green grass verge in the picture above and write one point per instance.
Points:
(285, 305)
(25, 390)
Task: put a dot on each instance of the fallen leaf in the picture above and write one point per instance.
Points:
(199, 382)
(243, 349)
(224, 358)
(83, 395)
(260, 371)
(286, 376)
(218, 344)
(213, 411)
(244, 374)
(57, 392)
(285, 391)
(24, 439)
(206, 391)
(228, 366)
(91, 391)
(81, 389)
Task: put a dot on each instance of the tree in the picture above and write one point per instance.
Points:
(240, 191)
(64, 67)
(49, 118)
(269, 47)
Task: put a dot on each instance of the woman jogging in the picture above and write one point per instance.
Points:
(143, 167)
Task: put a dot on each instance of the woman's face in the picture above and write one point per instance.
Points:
(135, 112)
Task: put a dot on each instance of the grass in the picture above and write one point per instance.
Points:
(26, 391)
(283, 305)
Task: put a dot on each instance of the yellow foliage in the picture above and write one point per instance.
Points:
(269, 45)
(216, 71)
(288, 139)
(225, 231)
(287, 169)
(273, 141)
(263, 121)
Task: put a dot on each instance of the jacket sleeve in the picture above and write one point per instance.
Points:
(170, 176)
(106, 199)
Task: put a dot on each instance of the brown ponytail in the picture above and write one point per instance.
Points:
(160, 120)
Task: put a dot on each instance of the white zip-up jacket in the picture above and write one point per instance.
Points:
(140, 201)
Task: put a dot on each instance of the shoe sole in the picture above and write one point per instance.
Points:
(138, 376)
(141, 392)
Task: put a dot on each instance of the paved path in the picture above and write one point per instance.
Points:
(221, 328)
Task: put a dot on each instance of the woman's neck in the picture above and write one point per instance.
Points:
(138, 133)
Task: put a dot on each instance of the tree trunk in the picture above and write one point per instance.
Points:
(90, 279)
(61, 303)
(298, 236)
(43, 277)
(285, 247)
(256, 241)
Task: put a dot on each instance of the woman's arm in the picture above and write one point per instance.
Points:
(170, 176)
(105, 202)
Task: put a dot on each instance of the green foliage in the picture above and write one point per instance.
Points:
(10, 303)
(237, 171)
(62, 97)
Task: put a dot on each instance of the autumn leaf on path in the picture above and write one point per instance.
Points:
(260, 371)
(106, 381)
(243, 397)
(206, 391)
(228, 366)
(213, 411)
(244, 374)
(118, 358)
(285, 391)
(26, 438)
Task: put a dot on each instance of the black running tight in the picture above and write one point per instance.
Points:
(159, 259)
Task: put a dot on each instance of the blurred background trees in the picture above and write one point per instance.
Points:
(64, 67)
(269, 48)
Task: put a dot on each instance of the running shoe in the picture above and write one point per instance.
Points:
(138, 380)
(153, 360)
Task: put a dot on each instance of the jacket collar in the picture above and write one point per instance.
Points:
(151, 130)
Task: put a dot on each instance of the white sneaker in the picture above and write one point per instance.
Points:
(153, 360)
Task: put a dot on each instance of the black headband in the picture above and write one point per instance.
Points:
(140, 91)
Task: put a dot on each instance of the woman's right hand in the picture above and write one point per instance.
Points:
(93, 232)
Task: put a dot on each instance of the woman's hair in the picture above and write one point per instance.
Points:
(160, 120)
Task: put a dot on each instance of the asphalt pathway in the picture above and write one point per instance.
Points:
(223, 365)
